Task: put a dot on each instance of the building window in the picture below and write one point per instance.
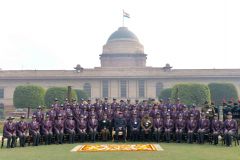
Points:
(105, 88)
(159, 87)
(123, 88)
(1, 93)
(87, 89)
(141, 88)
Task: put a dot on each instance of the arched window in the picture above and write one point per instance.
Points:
(159, 87)
(87, 89)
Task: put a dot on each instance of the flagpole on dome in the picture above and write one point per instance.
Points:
(123, 19)
(125, 14)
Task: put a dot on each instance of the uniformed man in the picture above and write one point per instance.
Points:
(230, 129)
(52, 114)
(203, 127)
(195, 112)
(93, 126)
(191, 128)
(146, 125)
(105, 104)
(134, 127)
(216, 127)
(180, 126)
(158, 126)
(59, 128)
(34, 130)
(120, 124)
(179, 106)
(9, 131)
(168, 128)
(105, 127)
(69, 127)
(209, 110)
(82, 128)
(22, 130)
(114, 104)
(47, 129)
(39, 115)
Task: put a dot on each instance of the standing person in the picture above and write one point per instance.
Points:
(105, 127)
(230, 129)
(168, 128)
(9, 131)
(47, 129)
(120, 124)
(93, 126)
(191, 128)
(22, 130)
(216, 127)
(39, 115)
(203, 128)
(59, 128)
(158, 126)
(180, 126)
(34, 130)
(69, 127)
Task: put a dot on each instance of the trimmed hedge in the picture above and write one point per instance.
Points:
(191, 93)
(81, 94)
(57, 92)
(222, 91)
(28, 96)
(165, 94)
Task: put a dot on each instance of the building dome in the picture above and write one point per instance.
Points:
(123, 49)
(123, 34)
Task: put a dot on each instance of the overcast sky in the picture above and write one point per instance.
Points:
(58, 34)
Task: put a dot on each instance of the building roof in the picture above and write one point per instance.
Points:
(123, 34)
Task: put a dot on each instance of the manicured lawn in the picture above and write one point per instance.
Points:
(172, 151)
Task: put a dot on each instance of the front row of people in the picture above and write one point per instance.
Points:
(159, 128)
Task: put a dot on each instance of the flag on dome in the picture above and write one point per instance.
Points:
(125, 14)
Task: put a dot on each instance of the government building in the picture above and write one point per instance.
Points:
(123, 74)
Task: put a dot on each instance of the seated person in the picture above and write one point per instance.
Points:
(134, 127)
(146, 124)
(180, 127)
(47, 129)
(22, 131)
(216, 127)
(203, 128)
(34, 130)
(120, 124)
(229, 129)
(158, 126)
(191, 128)
(105, 127)
(69, 127)
(93, 126)
(9, 131)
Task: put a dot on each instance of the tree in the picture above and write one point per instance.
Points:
(57, 92)
(191, 93)
(81, 94)
(165, 93)
(28, 96)
(222, 91)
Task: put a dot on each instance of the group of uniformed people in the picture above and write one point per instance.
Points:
(162, 121)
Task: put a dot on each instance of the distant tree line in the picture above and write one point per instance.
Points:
(33, 96)
(190, 93)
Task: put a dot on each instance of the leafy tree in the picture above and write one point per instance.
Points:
(28, 96)
(165, 94)
(81, 94)
(57, 92)
(191, 93)
(222, 91)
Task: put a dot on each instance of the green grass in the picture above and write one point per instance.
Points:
(172, 151)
